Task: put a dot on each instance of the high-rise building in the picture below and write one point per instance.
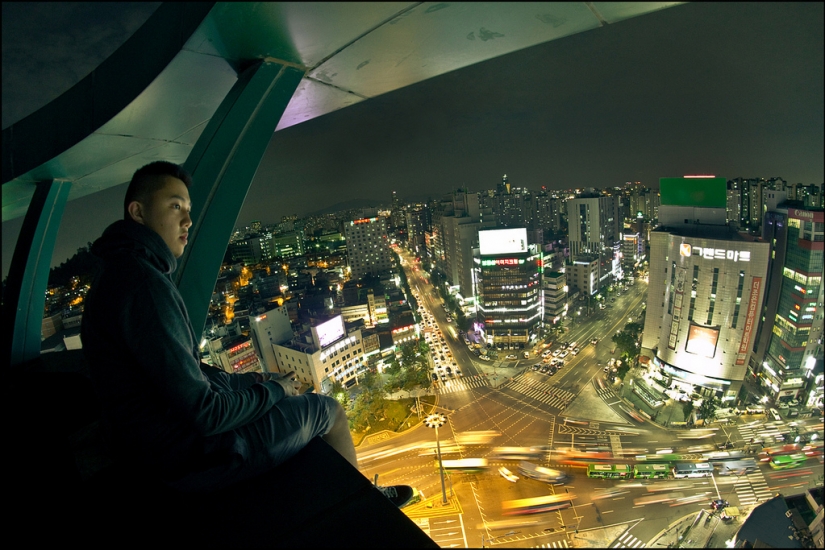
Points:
(632, 252)
(705, 289)
(594, 229)
(554, 284)
(267, 329)
(508, 287)
(368, 246)
(790, 339)
(416, 228)
(461, 220)
(593, 223)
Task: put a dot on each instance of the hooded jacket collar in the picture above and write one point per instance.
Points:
(129, 238)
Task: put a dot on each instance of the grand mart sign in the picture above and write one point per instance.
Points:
(709, 253)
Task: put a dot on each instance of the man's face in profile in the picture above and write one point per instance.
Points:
(167, 214)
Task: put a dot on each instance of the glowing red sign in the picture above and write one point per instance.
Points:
(756, 284)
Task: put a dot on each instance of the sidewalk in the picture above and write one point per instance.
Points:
(695, 531)
(662, 416)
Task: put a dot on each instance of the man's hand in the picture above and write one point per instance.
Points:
(287, 382)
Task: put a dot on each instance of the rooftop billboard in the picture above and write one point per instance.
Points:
(502, 241)
(328, 332)
(707, 192)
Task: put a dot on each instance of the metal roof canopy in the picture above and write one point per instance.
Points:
(152, 99)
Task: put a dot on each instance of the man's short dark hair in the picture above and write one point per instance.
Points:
(149, 179)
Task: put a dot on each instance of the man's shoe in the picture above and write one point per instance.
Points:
(400, 495)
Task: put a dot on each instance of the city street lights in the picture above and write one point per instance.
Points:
(436, 420)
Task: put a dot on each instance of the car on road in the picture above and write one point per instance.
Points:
(545, 369)
(564, 354)
(435, 377)
(537, 366)
(556, 352)
(507, 474)
(511, 356)
(575, 351)
(594, 341)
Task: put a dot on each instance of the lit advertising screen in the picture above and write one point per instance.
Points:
(702, 341)
(704, 192)
(502, 241)
(330, 331)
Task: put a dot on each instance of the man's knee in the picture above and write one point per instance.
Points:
(339, 414)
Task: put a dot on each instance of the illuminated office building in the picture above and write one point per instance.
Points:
(322, 355)
(507, 280)
(705, 291)
(790, 342)
(368, 247)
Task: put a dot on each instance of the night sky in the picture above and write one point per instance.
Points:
(732, 89)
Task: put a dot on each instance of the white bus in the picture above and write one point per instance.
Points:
(737, 467)
(689, 469)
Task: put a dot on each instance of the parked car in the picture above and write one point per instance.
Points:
(511, 356)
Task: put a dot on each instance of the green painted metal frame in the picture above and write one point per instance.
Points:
(28, 276)
(223, 163)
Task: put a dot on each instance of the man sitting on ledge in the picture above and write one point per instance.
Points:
(197, 427)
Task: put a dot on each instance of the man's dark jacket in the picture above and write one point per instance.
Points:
(162, 409)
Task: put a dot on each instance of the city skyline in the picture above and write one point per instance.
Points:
(683, 90)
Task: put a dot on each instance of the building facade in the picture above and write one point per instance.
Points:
(368, 247)
(704, 297)
(554, 285)
(325, 354)
(508, 287)
(791, 339)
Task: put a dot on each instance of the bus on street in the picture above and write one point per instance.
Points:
(689, 469)
(737, 467)
(651, 471)
(783, 462)
(608, 471)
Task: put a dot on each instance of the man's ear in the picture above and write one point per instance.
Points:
(135, 210)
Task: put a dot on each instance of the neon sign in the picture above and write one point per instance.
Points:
(502, 261)
(709, 253)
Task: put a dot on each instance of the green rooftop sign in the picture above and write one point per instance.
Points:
(708, 192)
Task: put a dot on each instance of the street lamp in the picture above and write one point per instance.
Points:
(436, 420)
